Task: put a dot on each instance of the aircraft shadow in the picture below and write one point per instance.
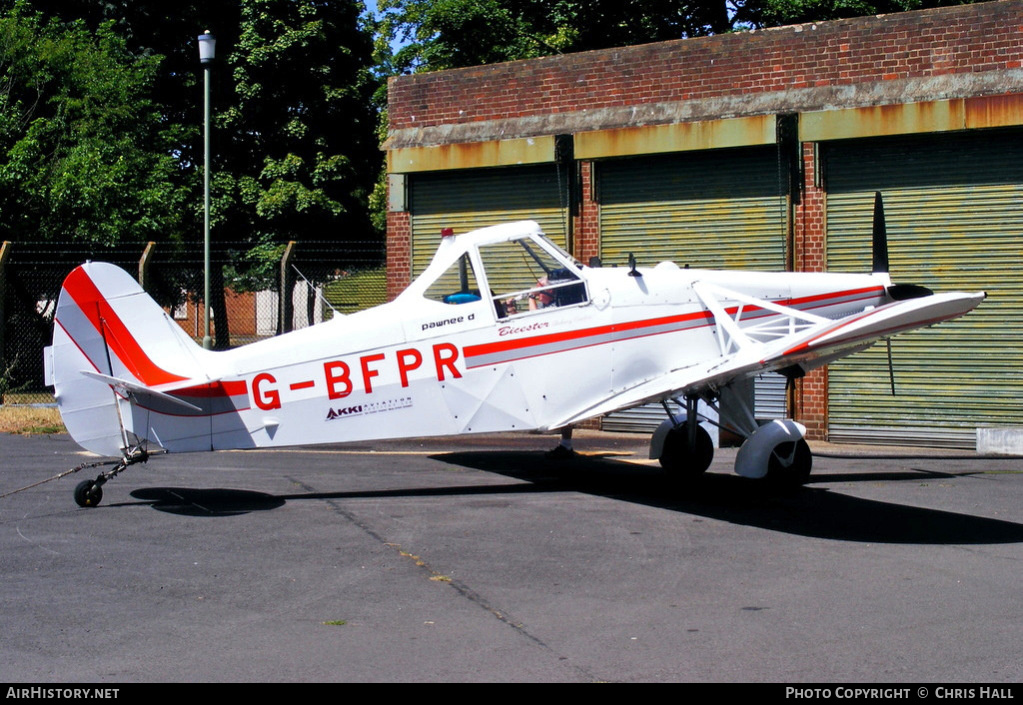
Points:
(804, 511)
(218, 502)
(224, 502)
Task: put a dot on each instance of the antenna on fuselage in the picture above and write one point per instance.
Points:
(632, 266)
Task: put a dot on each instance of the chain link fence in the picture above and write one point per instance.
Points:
(245, 298)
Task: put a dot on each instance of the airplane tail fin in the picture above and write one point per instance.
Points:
(113, 349)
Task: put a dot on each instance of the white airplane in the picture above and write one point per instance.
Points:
(503, 331)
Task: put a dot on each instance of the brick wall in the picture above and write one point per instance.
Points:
(810, 396)
(912, 45)
(587, 221)
(802, 67)
(399, 252)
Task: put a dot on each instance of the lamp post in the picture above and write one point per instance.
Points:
(207, 52)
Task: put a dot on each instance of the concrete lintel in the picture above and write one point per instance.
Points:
(972, 87)
(471, 155)
(882, 120)
(912, 118)
(677, 137)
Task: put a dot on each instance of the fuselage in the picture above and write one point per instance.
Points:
(503, 331)
(417, 367)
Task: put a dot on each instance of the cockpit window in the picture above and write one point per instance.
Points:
(457, 285)
(525, 277)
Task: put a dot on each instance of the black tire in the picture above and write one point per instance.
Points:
(788, 466)
(684, 462)
(88, 493)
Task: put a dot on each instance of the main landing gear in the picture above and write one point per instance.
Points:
(775, 452)
(683, 448)
(789, 464)
(89, 493)
(685, 453)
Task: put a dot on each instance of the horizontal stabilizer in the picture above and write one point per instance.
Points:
(141, 392)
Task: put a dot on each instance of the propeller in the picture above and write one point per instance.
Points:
(897, 292)
(880, 236)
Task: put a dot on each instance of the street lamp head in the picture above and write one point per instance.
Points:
(207, 47)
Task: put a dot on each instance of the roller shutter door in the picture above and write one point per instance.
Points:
(718, 209)
(470, 199)
(954, 212)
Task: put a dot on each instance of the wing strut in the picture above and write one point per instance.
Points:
(733, 338)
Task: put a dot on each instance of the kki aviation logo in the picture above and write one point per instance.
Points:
(366, 408)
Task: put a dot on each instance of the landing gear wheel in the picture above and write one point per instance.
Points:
(789, 464)
(88, 493)
(682, 461)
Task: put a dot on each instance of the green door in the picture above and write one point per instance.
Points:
(715, 209)
(475, 198)
(954, 212)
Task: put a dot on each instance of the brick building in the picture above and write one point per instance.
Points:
(761, 150)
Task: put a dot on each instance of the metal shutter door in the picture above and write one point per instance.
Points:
(717, 209)
(470, 199)
(955, 222)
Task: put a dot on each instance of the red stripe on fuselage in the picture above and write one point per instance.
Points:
(505, 345)
(641, 327)
(214, 390)
(118, 338)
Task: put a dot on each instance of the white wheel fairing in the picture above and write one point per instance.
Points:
(754, 457)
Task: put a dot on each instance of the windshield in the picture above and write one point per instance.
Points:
(523, 276)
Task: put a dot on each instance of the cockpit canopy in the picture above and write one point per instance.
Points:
(513, 266)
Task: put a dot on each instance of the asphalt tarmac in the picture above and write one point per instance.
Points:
(477, 559)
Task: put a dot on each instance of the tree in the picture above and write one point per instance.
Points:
(84, 165)
(82, 153)
(296, 150)
(443, 34)
(775, 13)
(295, 154)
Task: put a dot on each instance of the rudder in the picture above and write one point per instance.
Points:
(107, 326)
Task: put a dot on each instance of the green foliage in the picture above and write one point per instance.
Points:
(82, 155)
(444, 34)
(101, 139)
(440, 34)
(295, 154)
(297, 149)
(774, 13)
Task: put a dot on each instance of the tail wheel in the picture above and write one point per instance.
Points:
(88, 493)
(682, 461)
(790, 464)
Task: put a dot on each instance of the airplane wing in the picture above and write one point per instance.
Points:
(797, 341)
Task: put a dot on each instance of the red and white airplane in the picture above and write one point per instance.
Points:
(503, 331)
